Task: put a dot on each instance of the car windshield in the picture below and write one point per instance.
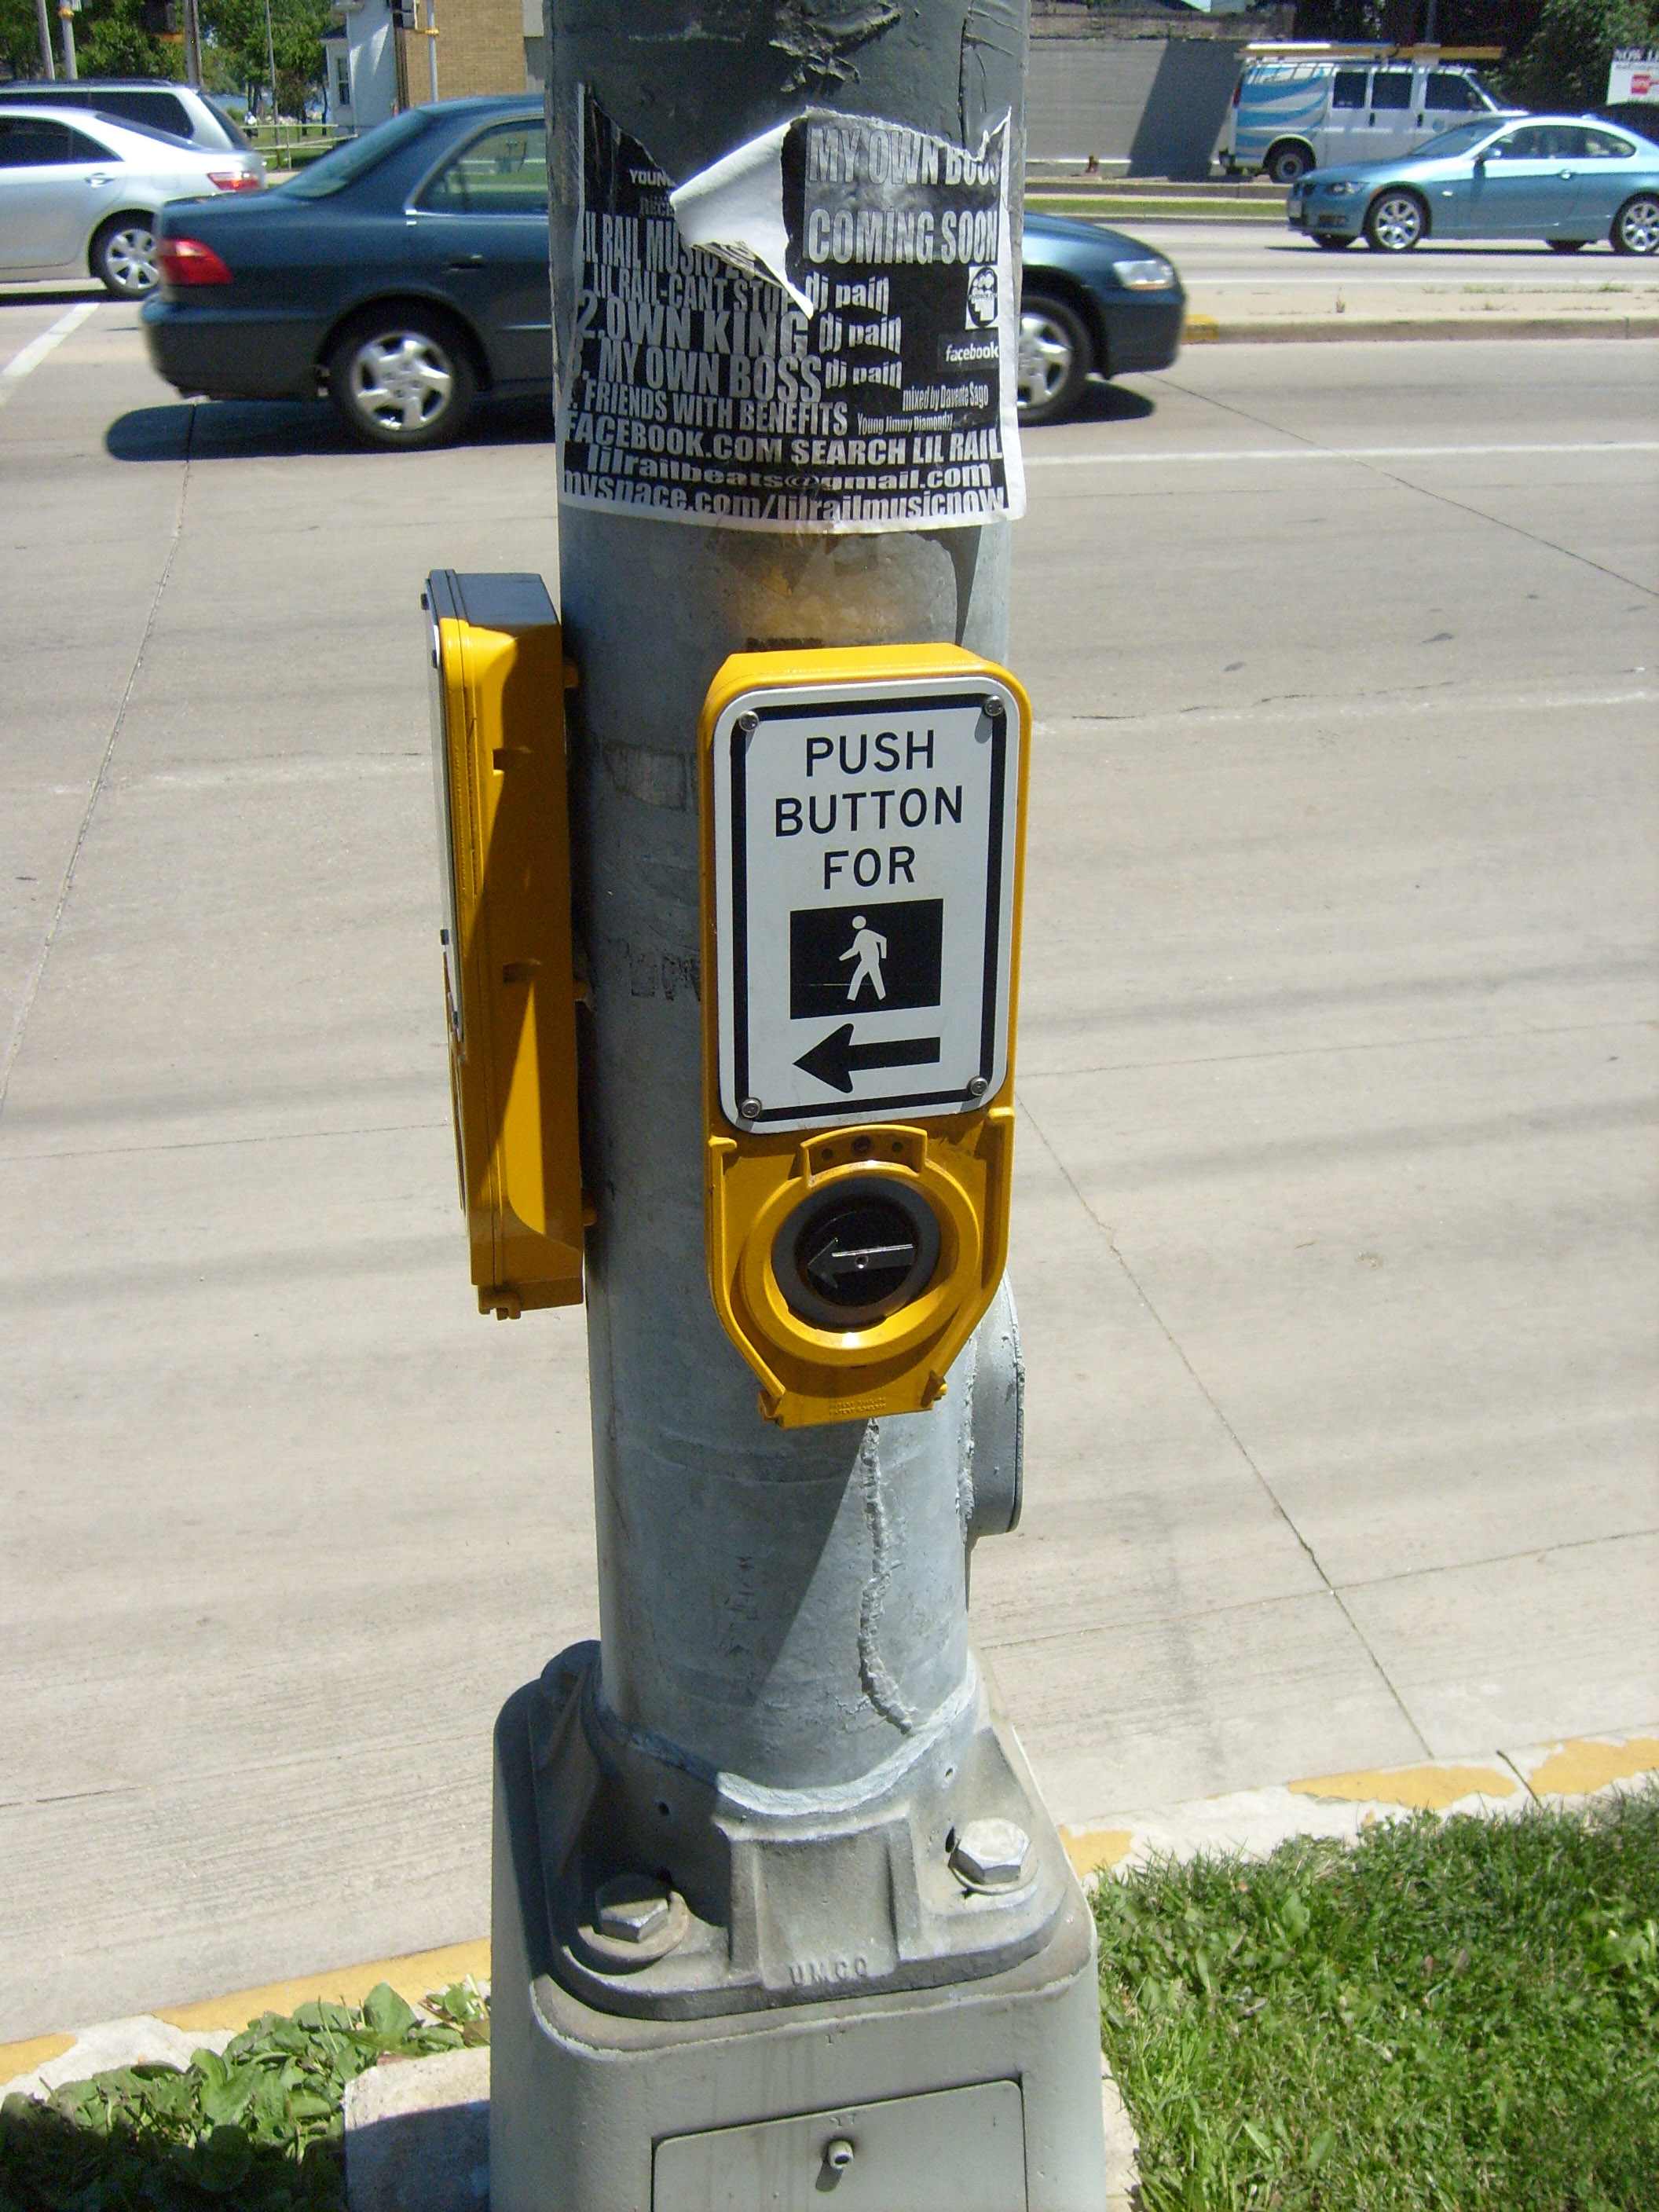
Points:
(1463, 140)
(355, 158)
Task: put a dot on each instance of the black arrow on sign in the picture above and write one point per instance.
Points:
(835, 1058)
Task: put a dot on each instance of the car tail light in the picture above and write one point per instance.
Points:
(187, 261)
(233, 180)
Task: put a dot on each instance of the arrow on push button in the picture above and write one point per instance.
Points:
(835, 1059)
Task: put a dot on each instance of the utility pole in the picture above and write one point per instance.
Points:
(432, 47)
(193, 43)
(270, 61)
(66, 17)
(43, 22)
(774, 1895)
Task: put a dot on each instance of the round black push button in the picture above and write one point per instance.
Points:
(847, 1259)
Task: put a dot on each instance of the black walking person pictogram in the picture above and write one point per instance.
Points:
(869, 949)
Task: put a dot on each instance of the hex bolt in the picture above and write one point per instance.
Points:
(748, 1109)
(630, 1907)
(990, 1854)
(838, 2154)
(748, 723)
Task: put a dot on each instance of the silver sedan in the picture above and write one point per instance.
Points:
(79, 194)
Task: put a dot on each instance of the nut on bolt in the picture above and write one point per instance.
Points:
(990, 1854)
(630, 1908)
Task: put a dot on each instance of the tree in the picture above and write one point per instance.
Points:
(1563, 65)
(236, 31)
(20, 37)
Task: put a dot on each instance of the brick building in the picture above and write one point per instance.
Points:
(373, 68)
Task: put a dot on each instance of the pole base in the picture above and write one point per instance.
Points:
(981, 2095)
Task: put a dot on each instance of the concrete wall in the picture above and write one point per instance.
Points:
(1157, 104)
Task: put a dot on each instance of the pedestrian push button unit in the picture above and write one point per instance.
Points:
(863, 818)
(498, 681)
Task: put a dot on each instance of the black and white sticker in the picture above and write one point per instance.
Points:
(818, 332)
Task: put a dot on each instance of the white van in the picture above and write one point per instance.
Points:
(1290, 115)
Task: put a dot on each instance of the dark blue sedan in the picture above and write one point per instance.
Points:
(407, 272)
(1092, 302)
(402, 274)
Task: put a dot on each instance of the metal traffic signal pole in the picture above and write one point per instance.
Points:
(774, 1896)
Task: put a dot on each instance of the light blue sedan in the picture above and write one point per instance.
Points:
(1568, 179)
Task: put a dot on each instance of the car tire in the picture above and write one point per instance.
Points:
(1334, 245)
(1395, 222)
(122, 255)
(1566, 245)
(1636, 226)
(1288, 163)
(1055, 357)
(401, 377)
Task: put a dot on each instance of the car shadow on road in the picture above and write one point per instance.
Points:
(281, 429)
(1111, 402)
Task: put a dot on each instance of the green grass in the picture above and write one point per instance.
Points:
(258, 2130)
(1462, 2015)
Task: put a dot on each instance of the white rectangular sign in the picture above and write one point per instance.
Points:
(864, 842)
(1633, 77)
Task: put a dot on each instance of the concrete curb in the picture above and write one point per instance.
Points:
(1256, 1822)
(1324, 330)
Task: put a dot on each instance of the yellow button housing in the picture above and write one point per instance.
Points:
(498, 681)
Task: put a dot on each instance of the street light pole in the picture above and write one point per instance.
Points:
(270, 60)
(43, 21)
(768, 1860)
(66, 17)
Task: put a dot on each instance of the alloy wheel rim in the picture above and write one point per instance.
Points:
(402, 381)
(1398, 224)
(1638, 226)
(129, 257)
(1045, 359)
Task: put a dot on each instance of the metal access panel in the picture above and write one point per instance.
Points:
(498, 755)
(955, 2150)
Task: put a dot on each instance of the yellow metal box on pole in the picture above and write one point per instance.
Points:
(498, 681)
(863, 834)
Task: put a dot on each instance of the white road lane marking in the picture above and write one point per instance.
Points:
(1336, 454)
(37, 348)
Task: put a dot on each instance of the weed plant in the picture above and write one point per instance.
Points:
(1460, 2015)
(258, 2129)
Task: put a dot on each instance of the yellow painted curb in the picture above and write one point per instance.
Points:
(1421, 1788)
(1576, 1767)
(1199, 330)
(411, 1976)
(17, 2058)
(1092, 1851)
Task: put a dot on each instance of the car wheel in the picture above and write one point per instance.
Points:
(1055, 360)
(1334, 245)
(401, 377)
(1636, 226)
(1395, 223)
(124, 256)
(1288, 165)
(1566, 245)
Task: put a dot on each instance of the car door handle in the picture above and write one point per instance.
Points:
(468, 261)
(1566, 175)
(98, 177)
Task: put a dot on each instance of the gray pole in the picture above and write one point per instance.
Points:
(784, 1717)
(270, 60)
(66, 17)
(432, 47)
(43, 20)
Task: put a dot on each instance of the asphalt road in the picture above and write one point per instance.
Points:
(1334, 1233)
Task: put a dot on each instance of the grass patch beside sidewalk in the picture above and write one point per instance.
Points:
(1451, 2014)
